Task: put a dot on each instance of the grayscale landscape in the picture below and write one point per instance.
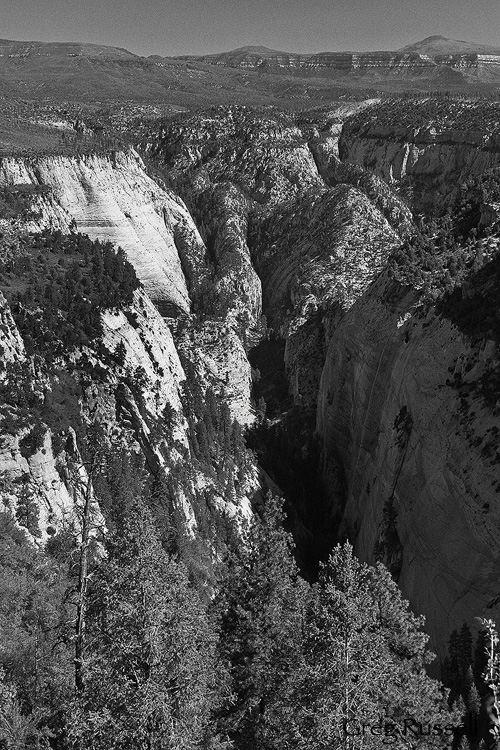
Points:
(249, 398)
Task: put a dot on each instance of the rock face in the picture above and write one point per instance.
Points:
(454, 61)
(401, 146)
(147, 344)
(315, 258)
(111, 197)
(221, 359)
(239, 162)
(11, 343)
(397, 153)
(400, 411)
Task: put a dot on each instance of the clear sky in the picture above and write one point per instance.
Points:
(174, 27)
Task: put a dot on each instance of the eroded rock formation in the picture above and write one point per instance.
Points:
(402, 411)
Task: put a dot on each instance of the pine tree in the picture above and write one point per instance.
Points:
(120, 353)
(261, 604)
(151, 674)
(34, 632)
(366, 658)
(27, 511)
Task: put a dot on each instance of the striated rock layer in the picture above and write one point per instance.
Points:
(426, 159)
(455, 66)
(111, 197)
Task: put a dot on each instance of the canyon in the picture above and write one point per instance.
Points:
(254, 228)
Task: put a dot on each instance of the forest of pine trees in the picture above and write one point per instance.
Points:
(262, 660)
(58, 285)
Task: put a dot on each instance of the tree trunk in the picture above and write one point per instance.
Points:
(82, 585)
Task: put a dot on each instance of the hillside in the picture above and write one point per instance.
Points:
(434, 63)
(91, 74)
(433, 46)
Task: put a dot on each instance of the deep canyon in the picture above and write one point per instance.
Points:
(264, 243)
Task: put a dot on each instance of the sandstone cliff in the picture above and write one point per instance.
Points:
(425, 148)
(404, 419)
(111, 197)
(316, 257)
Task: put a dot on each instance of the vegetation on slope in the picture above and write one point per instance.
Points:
(447, 247)
(58, 285)
(271, 662)
(441, 113)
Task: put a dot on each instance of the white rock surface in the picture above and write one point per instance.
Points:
(221, 359)
(148, 344)
(11, 343)
(446, 158)
(111, 197)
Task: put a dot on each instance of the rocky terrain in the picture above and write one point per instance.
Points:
(425, 146)
(402, 409)
(324, 282)
(434, 59)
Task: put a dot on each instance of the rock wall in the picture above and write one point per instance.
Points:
(111, 197)
(418, 458)
(442, 159)
(11, 343)
(316, 258)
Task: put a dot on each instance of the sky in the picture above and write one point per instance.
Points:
(176, 27)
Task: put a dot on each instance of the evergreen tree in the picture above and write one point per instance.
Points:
(35, 655)
(27, 510)
(366, 658)
(151, 675)
(120, 353)
(261, 605)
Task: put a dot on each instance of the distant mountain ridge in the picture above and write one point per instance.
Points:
(446, 62)
(252, 74)
(440, 45)
(432, 46)
(11, 49)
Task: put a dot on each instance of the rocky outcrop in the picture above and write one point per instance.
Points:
(432, 159)
(335, 172)
(397, 153)
(11, 343)
(404, 420)
(400, 64)
(221, 363)
(264, 153)
(111, 197)
(237, 287)
(316, 258)
(148, 344)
